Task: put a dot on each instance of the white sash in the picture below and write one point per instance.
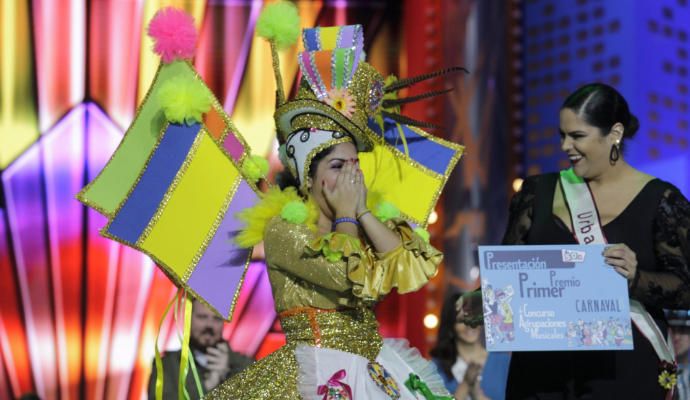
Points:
(587, 229)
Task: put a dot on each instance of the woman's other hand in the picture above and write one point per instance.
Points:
(361, 189)
(343, 197)
(622, 259)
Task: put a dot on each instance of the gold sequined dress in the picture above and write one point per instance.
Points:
(323, 289)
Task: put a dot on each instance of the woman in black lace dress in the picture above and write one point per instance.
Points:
(644, 218)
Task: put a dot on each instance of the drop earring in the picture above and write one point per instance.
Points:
(615, 153)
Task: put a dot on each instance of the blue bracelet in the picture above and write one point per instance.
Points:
(344, 219)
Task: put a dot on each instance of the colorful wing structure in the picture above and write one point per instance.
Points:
(408, 167)
(412, 182)
(171, 191)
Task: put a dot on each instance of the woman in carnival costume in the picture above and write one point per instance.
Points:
(330, 258)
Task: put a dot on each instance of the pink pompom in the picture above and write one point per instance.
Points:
(174, 34)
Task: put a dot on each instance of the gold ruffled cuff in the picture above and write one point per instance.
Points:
(335, 247)
(407, 267)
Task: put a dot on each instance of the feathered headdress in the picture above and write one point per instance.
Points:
(343, 98)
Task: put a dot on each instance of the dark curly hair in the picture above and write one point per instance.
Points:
(445, 350)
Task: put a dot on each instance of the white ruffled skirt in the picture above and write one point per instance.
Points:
(399, 372)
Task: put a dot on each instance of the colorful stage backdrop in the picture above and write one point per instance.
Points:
(79, 314)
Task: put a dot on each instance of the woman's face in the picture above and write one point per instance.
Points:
(587, 148)
(327, 171)
(467, 334)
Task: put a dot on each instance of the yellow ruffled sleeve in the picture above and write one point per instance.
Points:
(335, 247)
(407, 267)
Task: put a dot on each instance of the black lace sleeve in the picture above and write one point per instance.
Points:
(520, 213)
(669, 285)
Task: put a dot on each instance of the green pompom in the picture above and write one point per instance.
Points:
(255, 168)
(295, 211)
(332, 255)
(184, 100)
(423, 233)
(279, 23)
(385, 211)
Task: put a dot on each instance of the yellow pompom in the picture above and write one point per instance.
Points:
(385, 211)
(382, 209)
(295, 212)
(255, 168)
(184, 100)
(272, 204)
(279, 23)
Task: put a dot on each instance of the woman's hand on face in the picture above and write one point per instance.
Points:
(622, 259)
(343, 198)
(362, 190)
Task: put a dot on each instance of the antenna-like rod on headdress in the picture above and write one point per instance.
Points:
(279, 24)
(403, 83)
(387, 103)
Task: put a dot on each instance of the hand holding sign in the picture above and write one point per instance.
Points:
(622, 259)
